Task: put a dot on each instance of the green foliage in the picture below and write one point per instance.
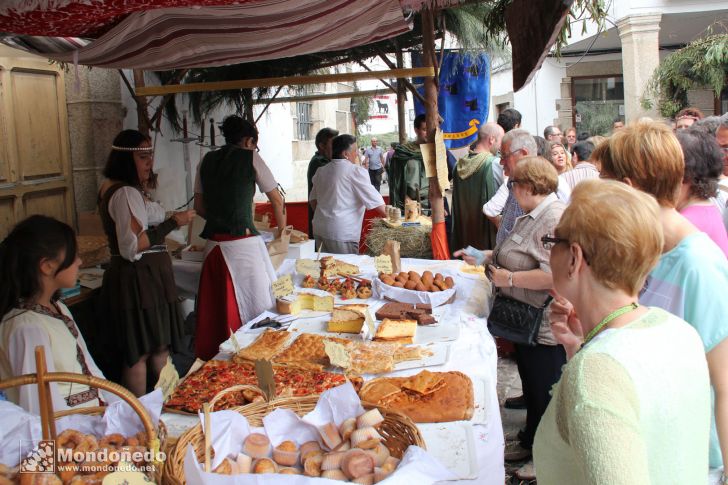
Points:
(360, 108)
(581, 11)
(703, 62)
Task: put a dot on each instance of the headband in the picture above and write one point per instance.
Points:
(132, 149)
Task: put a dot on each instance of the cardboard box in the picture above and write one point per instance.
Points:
(306, 249)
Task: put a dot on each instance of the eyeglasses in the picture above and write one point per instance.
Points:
(549, 241)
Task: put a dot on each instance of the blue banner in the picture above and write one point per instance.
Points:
(464, 96)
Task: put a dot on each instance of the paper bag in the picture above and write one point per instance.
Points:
(392, 249)
(278, 248)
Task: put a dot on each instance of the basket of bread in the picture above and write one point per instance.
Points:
(116, 442)
(412, 287)
(333, 436)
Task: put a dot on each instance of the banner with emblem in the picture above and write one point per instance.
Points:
(464, 96)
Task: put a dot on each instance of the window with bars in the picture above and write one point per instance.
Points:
(304, 122)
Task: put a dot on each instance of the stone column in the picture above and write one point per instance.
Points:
(640, 58)
(95, 117)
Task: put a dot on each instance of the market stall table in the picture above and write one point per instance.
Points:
(472, 352)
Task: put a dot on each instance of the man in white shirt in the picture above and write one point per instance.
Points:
(374, 161)
(341, 193)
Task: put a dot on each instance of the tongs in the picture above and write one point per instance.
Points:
(281, 322)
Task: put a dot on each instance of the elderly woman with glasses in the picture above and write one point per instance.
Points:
(519, 267)
(691, 275)
(633, 404)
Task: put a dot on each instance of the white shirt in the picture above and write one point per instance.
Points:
(343, 192)
(494, 207)
(263, 176)
(721, 200)
(21, 332)
(128, 202)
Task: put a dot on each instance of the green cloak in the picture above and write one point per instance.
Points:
(406, 172)
(473, 186)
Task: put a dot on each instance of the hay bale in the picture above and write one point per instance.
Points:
(414, 240)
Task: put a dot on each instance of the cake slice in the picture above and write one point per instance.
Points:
(400, 331)
(293, 304)
(347, 318)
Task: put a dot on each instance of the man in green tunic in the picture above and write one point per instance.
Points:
(406, 170)
(319, 159)
(473, 185)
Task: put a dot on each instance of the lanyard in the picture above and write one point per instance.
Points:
(616, 313)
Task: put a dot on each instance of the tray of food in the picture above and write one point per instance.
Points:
(216, 375)
(412, 287)
(313, 351)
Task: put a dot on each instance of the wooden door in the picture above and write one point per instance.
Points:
(35, 173)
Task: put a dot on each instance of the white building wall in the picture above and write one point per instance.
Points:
(536, 100)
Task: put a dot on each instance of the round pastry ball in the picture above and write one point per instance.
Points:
(420, 287)
(398, 284)
(439, 277)
(449, 282)
(434, 288)
(410, 285)
(427, 274)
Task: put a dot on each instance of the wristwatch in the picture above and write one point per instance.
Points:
(510, 279)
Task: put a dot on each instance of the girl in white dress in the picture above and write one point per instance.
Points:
(37, 259)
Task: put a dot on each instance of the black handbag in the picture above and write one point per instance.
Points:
(515, 320)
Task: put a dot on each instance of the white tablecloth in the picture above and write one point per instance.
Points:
(473, 353)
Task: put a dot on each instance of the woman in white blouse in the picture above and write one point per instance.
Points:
(36, 260)
(138, 294)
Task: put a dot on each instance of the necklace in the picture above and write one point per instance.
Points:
(616, 313)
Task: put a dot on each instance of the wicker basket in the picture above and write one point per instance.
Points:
(156, 436)
(398, 430)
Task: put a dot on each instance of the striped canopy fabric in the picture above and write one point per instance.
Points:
(184, 37)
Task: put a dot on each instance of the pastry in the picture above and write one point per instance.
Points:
(413, 281)
(308, 352)
(286, 453)
(330, 435)
(428, 397)
(266, 346)
(264, 465)
(244, 463)
(347, 319)
(256, 445)
(365, 438)
(312, 465)
(347, 427)
(289, 471)
(357, 463)
(334, 267)
(372, 418)
(334, 475)
(308, 447)
(332, 461)
(293, 304)
(364, 292)
(421, 312)
(308, 281)
(400, 331)
(224, 468)
(348, 293)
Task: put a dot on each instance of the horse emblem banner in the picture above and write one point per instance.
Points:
(464, 96)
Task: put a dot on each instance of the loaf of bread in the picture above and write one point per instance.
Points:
(428, 397)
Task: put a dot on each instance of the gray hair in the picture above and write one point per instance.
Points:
(723, 122)
(709, 124)
(520, 139)
(548, 131)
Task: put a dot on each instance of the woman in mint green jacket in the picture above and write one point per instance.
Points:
(633, 402)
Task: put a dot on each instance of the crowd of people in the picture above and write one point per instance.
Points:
(621, 239)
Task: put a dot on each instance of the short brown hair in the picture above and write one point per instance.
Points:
(649, 155)
(619, 230)
(538, 173)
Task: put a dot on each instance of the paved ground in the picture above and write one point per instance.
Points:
(509, 385)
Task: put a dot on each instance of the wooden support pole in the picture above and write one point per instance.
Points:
(391, 88)
(407, 84)
(278, 81)
(401, 101)
(432, 116)
(143, 123)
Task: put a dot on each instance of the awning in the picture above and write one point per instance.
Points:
(184, 37)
